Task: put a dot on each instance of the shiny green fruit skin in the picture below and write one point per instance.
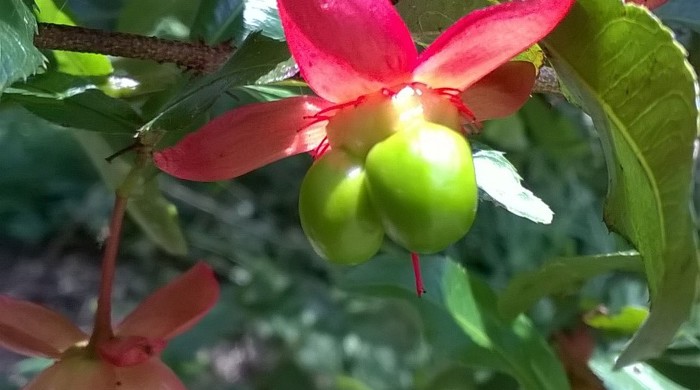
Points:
(421, 181)
(335, 210)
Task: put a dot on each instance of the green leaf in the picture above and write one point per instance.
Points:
(163, 18)
(78, 64)
(282, 71)
(455, 297)
(255, 58)
(74, 102)
(624, 68)
(559, 276)
(627, 321)
(156, 216)
(18, 57)
(222, 20)
(501, 183)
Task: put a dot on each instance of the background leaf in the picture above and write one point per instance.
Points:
(18, 57)
(428, 18)
(514, 347)
(627, 72)
(147, 207)
(560, 276)
(680, 12)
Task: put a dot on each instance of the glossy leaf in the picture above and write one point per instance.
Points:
(626, 71)
(513, 347)
(221, 20)
(560, 276)
(18, 57)
(79, 64)
(501, 183)
(73, 102)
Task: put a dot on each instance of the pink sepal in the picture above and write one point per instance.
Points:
(484, 39)
(502, 92)
(33, 330)
(244, 139)
(174, 308)
(348, 48)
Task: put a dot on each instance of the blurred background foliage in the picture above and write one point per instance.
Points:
(286, 318)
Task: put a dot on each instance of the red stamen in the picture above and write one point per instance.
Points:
(340, 106)
(320, 149)
(388, 92)
(420, 290)
(454, 96)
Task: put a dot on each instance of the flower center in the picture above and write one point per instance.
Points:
(357, 125)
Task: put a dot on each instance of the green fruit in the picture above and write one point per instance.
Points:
(335, 210)
(421, 181)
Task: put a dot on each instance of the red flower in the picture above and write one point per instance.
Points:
(128, 361)
(356, 55)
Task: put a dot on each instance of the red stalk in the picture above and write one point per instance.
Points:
(420, 290)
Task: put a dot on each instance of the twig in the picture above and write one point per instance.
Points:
(547, 81)
(195, 56)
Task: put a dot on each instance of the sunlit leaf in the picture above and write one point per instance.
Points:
(624, 68)
(73, 102)
(18, 57)
(627, 321)
(501, 183)
(221, 20)
(79, 64)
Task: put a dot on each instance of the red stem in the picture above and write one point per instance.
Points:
(103, 317)
(420, 290)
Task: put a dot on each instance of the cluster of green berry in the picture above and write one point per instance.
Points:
(412, 181)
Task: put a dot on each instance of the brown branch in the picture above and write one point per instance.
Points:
(194, 56)
(547, 81)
